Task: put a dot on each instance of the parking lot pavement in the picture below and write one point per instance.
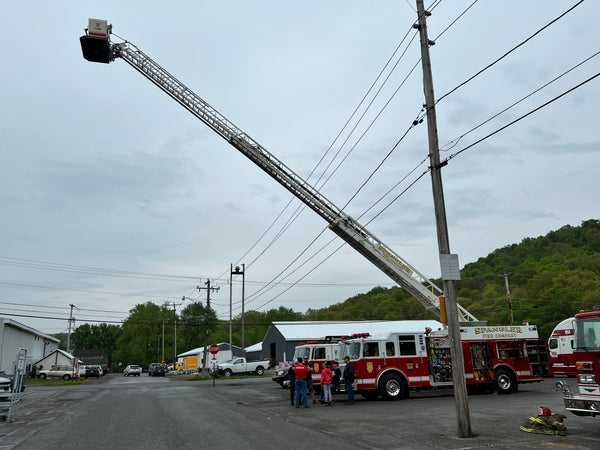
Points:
(426, 420)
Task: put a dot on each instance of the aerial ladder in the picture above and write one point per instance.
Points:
(97, 47)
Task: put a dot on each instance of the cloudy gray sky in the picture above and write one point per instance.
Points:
(112, 194)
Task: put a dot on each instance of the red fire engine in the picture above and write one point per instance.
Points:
(587, 356)
(495, 358)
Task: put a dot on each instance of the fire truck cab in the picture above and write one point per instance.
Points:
(317, 353)
(587, 357)
(495, 358)
(561, 345)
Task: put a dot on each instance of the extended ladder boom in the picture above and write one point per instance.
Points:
(99, 49)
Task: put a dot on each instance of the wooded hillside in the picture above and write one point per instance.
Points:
(550, 278)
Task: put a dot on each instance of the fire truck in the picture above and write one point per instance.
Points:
(495, 353)
(586, 350)
(561, 344)
(495, 357)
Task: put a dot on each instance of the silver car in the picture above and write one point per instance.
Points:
(132, 370)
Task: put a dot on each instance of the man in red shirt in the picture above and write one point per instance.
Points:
(301, 371)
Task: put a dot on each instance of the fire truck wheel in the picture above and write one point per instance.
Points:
(505, 383)
(392, 387)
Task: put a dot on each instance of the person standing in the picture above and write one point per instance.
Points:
(292, 378)
(300, 370)
(349, 379)
(337, 375)
(310, 387)
(326, 378)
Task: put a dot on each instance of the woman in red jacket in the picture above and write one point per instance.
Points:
(326, 378)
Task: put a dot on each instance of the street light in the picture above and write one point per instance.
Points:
(233, 272)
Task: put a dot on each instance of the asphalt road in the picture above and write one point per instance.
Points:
(254, 413)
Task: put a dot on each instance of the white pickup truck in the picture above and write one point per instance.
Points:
(241, 366)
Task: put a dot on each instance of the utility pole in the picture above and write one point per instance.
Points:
(174, 336)
(162, 360)
(506, 275)
(208, 289)
(231, 308)
(241, 272)
(69, 333)
(458, 368)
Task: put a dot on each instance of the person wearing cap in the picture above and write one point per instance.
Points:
(349, 380)
(310, 387)
(337, 375)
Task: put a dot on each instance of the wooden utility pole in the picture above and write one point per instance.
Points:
(458, 368)
(506, 275)
(208, 289)
(69, 333)
(174, 336)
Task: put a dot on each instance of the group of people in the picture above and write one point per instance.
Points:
(301, 382)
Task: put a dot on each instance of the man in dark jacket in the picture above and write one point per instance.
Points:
(292, 378)
(337, 375)
(349, 380)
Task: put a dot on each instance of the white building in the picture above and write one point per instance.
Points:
(14, 336)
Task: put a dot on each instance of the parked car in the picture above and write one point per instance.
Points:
(132, 370)
(156, 370)
(59, 371)
(92, 371)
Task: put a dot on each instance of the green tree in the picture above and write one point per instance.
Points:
(141, 339)
(192, 326)
(103, 336)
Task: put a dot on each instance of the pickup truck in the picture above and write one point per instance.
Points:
(241, 366)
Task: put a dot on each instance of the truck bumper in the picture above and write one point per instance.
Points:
(582, 406)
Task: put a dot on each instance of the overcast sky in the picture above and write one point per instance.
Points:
(113, 195)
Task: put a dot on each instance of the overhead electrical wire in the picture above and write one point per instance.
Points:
(531, 112)
(454, 142)
(521, 118)
(508, 53)
(370, 125)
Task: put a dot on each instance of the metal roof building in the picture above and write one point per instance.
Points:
(282, 337)
(15, 335)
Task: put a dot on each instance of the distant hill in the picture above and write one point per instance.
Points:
(550, 278)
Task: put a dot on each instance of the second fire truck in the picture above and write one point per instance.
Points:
(495, 358)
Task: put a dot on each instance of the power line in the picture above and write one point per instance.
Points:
(455, 141)
(508, 52)
(521, 118)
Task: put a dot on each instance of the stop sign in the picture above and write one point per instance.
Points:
(213, 349)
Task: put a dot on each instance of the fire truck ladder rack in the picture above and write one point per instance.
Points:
(372, 248)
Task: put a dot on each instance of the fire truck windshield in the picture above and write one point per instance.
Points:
(351, 350)
(587, 334)
(302, 352)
